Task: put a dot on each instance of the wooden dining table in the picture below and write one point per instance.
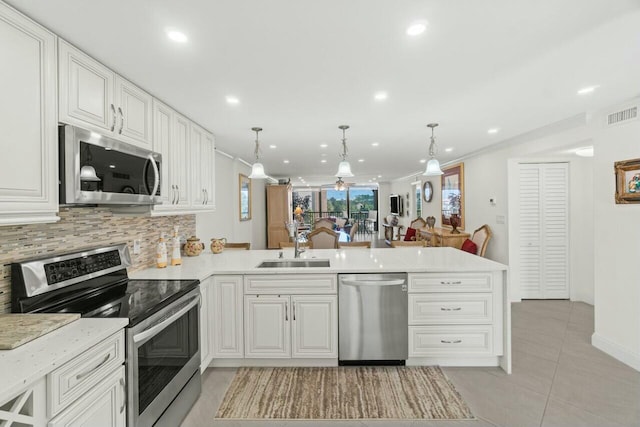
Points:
(439, 237)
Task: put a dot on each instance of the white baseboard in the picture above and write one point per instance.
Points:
(236, 363)
(615, 350)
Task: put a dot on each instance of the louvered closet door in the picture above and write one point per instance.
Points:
(544, 237)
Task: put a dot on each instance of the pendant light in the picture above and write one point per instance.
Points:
(340, 186)
(433, 165)
(88, 172)
(344, 168)
(257, 170)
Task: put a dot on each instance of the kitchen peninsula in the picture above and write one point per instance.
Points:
(459, 313)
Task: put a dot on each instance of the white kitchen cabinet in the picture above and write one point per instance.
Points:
(170, 139)
(94, 97)
(267, 331)
(227, 309)
(205, 322)
(314, 326)
(28, 118)
(104, 405)
(203, 168)
(26, 408)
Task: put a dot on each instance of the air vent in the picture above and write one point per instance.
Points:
(622, 116)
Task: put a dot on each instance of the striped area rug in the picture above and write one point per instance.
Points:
(344, 393)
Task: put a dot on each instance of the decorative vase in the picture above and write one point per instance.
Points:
(431, 222)
(193, 247)
(217, 245)
(454, 220)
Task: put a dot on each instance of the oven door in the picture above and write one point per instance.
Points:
(163, 353)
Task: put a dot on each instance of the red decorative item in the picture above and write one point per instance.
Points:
(454, 219)
(411, 234)
(469, 246)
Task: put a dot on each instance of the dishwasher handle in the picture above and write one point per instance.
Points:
(395, 282)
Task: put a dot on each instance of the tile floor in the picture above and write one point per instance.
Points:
(558, 380)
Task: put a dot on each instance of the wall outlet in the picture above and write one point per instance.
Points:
(492, 201)
(136, 247)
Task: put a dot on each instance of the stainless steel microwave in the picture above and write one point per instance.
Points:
(96, 169)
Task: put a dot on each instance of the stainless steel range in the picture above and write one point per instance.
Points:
(163, 352)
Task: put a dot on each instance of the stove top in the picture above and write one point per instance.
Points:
(91, 282)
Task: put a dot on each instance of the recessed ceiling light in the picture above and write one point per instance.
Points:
(323, 145)
(417, 28)
(114, 166)
(273, 146)
(177, 36)
(299, 177)
(360, 160)
(448, 150)
(493, 131)
(380, 96)
(375, 144)
(379, 176)
(587, 90)
(585, 152)
(323, 161)
(285, 161)
(423, 160)
(232, 99)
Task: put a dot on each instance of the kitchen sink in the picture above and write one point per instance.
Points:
(294, 263)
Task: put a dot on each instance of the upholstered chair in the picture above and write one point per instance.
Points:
(323, 238)
(481, 238)
(323, 222)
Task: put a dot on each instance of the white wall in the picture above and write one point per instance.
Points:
(225, 221)
(617, 249)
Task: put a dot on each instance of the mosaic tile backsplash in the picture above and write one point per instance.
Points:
(84, 227)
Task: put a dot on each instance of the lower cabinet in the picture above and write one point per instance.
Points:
(291, 326)
(227, 324)
(104, 406)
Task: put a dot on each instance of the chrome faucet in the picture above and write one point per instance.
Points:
(293, 232)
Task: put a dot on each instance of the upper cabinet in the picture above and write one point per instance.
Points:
(94, 97)
(203, 168)
(28, 165)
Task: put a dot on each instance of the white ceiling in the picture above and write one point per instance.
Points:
(301, 68)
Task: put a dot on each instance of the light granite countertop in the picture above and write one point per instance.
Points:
(350, 260)
(26, 364)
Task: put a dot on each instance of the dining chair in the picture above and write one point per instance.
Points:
(401, 243)
(323, 222)
(323, 238)
(481, 238)
(366, 244)
(244, 245)
(415, 224)
(352, 232)
(370, 222)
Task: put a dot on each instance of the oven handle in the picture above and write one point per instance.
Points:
(177, 313)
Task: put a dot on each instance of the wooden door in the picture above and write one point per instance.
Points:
(278, 213)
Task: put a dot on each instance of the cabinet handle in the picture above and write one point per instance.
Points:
(173, 194)
(294, 310)
(286, 311)
(124, 395)
(204, 200)
(84, 374)
(450, 341)
(121, 120)
(178, 198)
(113, 112)
(450, 309)
(206, 196)
(459, 282)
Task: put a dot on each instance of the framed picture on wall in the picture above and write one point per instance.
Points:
(245, 197)
(627, 181)
(453, 195)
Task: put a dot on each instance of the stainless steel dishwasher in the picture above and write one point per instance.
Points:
(372, 319)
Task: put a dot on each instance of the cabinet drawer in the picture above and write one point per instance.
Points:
(291, 284)
(463, 340)
(450, 308)
(450, 282)
(78, 376)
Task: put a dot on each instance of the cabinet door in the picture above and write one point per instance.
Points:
(314, 326)
(86, 90)
(104, 406)
(29, 164)
(227, 329)
(133, 106)
(26, 408)
(206, 315)
(163, 137)
(209, 171)
(267, 331)
(180, 152)
(197, 145)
